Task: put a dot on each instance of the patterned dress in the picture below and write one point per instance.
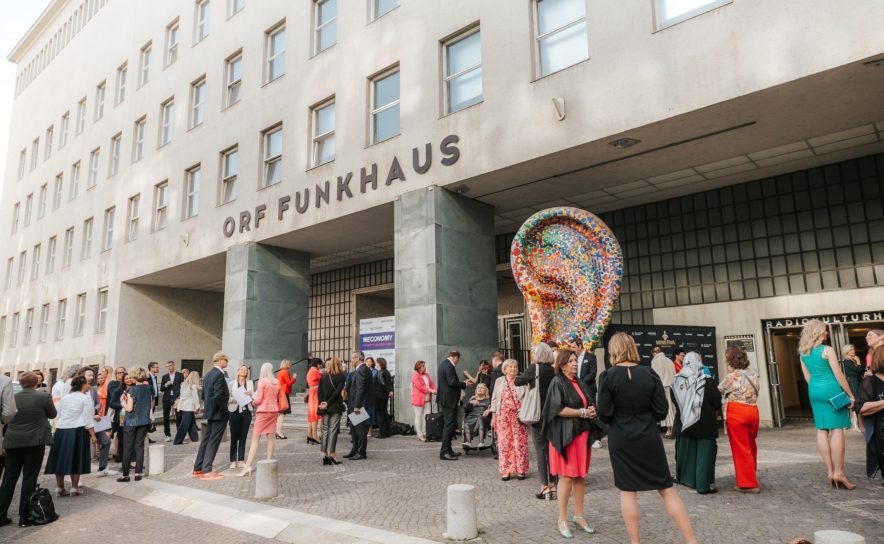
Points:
(512, 434)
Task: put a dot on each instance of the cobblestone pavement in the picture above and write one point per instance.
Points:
(401, 487)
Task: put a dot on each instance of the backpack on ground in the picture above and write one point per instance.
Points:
(41, 509)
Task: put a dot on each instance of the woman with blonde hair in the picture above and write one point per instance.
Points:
(331, 405)
(631, 401)
(189, 404)
(267, 402)
(825, 381)
(240, 416)
(286, 381)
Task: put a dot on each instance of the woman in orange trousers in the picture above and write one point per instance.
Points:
(740, 389)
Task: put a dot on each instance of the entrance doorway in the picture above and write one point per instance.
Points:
(512, 341)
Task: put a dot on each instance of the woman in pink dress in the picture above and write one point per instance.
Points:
(512, 434)
(266, 402)
(313, 377)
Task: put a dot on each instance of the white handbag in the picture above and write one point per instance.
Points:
(530, 411)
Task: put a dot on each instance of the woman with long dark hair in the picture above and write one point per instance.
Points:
(870, 406)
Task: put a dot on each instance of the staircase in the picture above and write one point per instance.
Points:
(298, 418)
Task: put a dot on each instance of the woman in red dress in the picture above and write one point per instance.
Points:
(313, 377)
(512, 434)
(286, 380)
(565, 415)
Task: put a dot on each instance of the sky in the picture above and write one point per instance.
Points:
(18, 16)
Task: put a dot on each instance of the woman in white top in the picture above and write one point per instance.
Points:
(240, 416)
(74, 428)
(63, 386)
(189, 405)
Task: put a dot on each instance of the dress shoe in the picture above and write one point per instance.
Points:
(358, 457)
(123, 479)
(448, 457)
(350, 455)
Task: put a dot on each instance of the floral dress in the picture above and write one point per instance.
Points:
(512, 434)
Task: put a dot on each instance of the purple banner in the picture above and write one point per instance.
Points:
(377, 341)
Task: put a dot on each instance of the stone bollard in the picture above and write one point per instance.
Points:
(156, 459)
(837, 537)
(461, 515)
(267, 479)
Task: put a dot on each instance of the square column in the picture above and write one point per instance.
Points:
(266, 297)
(446, 284)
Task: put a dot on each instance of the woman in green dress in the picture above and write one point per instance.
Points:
(854, 369)
(825, 381)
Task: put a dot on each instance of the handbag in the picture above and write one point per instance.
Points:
(530, 411)
(282, 400)
(839, 401)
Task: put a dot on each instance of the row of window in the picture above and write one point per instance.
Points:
(42, 332)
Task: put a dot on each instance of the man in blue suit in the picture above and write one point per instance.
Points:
(215, 397)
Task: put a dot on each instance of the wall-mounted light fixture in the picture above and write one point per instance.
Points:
(559, 103)
(623, 143)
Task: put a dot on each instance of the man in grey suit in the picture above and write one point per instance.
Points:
(7, 411)
(215, 397)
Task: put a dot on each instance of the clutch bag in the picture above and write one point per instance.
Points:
(839, 401)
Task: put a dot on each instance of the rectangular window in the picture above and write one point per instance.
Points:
(29, 326)
(94, 158)
(324, 133)
(22, 163)
(234, 79)
(383, 7)
(13, 332)
(115, 147)
(68, 248)
(16, 211)
(35, 153)
(86, 249)
(144, 69)
(202, 20)
(385, 106)
(44, 323)
(57, 189)
(276, 52)
(192, 192)
(63, 134)
(10, 265)
(41, 200)
(234, 7)
(229, 172)
(326, 24)
(172, 42)
(122, 75)
(29, 202)
(35, 262)
(463, 71)
(22, 267)
(99, 100)
(272, 156)
(138, 139)
(560, 30)
(101, 310)
(61, 318)
(670, 12)
(80, 323)
(81, 116)
(47, 149)
(107, 238)
(50, 255)
(75, 180)
(161, 205)
(167, 118)
(197, 102)
(132, 218)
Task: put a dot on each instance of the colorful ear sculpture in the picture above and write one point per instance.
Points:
(568, 265)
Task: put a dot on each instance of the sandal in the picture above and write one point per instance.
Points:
(584, 526)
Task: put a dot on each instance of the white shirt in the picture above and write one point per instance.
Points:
(75, 410)
(61, 388)
(580, 357)
(426, 386)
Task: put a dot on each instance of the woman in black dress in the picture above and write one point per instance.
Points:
(631, 401)
(870, 406)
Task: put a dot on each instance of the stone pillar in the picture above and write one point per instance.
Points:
(461, 513)
(156, 459)
(837, 537)
(446, 284)
(266, 296)
(267, 479)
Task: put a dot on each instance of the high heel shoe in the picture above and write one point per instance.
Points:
(333, 461)
(543, 495)
(311, 440)
(281, 436)
(245, 472)
(326, 460)
(587, 528)
(843, 482)
(564, 531)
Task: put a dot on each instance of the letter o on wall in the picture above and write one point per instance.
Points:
(229, 227)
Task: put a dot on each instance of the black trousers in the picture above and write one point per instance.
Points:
(187, 425)
(449, 418)
(239, 433)
(167, 413)
(24, 461)
(382, 417)
(209, 443)
(359, 436)
(135, 437)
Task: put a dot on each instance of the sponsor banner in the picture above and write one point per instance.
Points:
(377, 338)
(669, 337)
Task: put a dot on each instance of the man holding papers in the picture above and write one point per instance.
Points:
(360, 390)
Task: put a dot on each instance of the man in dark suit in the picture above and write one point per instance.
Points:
(587, 365)
(153, 381)
(448, 388)
(215, 397)
(170, 387)
(360, 390)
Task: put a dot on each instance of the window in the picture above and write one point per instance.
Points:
(463, 71)
(50, 255)
(80, 322)
(16, 210)
(13, 333)
(35, 262)
(22, 163)
(63, 134)
(167, 114)
(101, 310)
(57, 191)
(44, 323)
(29, 326)
(229, 170)
(138, 140)
(272, 156)
(107, 238)
(68, 248)
(670, 12)
(234, 79)
(47, 149)
(385, 106)
(172, 42)
(197, 102)
(29, 202)
(275, 52)
(35, 152)
(81, 116)
(144, 71)
(94, 158)
(86, 249)
(560, 34)
(2, 331)
(75, 180)
(22, 267)
(383, 7)
(10, 265)
(326, 24)
(161, 205)
(114, 166)
(60, 318)
(122, 75)
(132, 218)
(192, 192)
(235, 6)
(99, 100)
(324, 133)
(41, 200)
(202, 20)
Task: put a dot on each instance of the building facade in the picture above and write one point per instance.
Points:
(261, 176)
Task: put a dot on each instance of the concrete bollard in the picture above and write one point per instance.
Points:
(461, 515)
(156, 459)
(837, 537)
(267, 479)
